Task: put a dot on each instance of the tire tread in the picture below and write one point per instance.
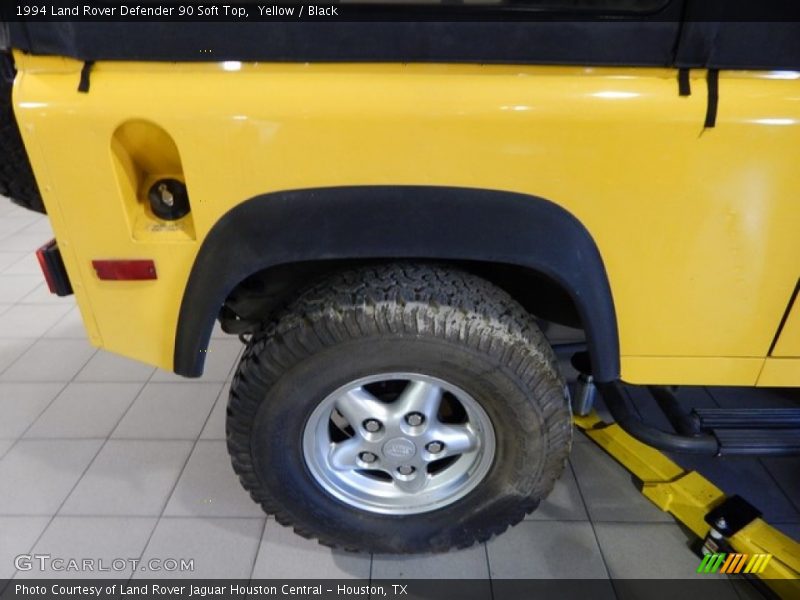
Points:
(16, 175)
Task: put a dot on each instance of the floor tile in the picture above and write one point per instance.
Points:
(41, 294)
(661, 550)
(19, 535)
(470, 563)
(15, 287)
(21, 404)
(221, 358)
(7, 259)
(220, 548)
(10, 209)
(106, 366)
(10, 225)
(546, 550)
(786, 472)
(608, 490)
(38, 474)
(40, 224)
(578, 437)
(30, 320)
(564, 503)
(108, 541)
(85, 410)
(23, 241)
(208, 486)
(129, 478)
(169, 411)
(285, 555)
(26, 264)
(11, 350)
(50, 360)
(69, 327)
(215, 426)
(5, 446)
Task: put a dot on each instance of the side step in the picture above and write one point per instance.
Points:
(763, 432)
(763, 442)
(748, 418)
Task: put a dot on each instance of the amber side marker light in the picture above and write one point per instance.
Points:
(125, 270)
(55, 274)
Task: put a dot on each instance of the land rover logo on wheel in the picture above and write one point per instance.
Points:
(399, 448)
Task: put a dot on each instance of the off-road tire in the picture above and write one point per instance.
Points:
(16, 176)
(445, 323)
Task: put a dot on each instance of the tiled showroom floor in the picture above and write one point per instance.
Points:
(104, 457)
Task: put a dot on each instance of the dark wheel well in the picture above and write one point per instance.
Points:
(255, 300)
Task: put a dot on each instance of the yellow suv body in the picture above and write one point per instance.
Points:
(697, 227)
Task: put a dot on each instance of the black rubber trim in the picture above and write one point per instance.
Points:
(617, 404)
(372, 222)
(784, 318)
(684, 84)
(712, 79)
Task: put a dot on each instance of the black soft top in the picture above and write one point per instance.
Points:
(679, 33)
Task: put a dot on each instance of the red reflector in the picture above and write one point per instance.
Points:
(125, 270)
(48, 276)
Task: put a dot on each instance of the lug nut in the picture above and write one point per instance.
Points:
(372, 425)
(368, 457)
(405, 470)
(435, 447)
(414, 419)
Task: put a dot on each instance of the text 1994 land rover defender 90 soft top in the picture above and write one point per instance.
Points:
(384, 211)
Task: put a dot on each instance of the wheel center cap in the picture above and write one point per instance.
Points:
(399, 448)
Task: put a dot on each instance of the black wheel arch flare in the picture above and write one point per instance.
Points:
(398, 222)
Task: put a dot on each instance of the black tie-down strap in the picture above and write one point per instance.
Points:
(684, 86)
(83, 86)
(712, 79)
